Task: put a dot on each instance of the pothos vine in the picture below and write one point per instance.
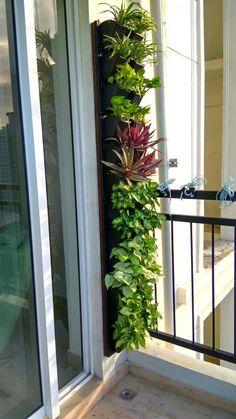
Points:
(135, 268)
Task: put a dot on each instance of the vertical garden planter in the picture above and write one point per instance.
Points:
(107, 152)
(108, 65)
(108, 91)
(110, 124)
(111, 28)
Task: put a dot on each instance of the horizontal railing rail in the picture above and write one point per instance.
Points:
(199, 219)
(204, 195)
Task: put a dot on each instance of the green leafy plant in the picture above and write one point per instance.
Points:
(44, 60)
(131, 49)
(135, 268)
(133, 17)
(135, 198)
(126, 78)
(126, 110)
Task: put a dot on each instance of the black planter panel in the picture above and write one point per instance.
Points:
(107, 123)
(108, 91)
(108, 65)
(111, 28)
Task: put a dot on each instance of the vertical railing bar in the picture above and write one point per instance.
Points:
(213, 282)
(235, 291)
(155, 285)
(192, 280)
(173, 275)
(155, 299)
(155, 293)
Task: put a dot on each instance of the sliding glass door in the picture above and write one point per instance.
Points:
(54, 90)
(45, 347)
(20, 388)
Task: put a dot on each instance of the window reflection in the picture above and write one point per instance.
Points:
(58, 151)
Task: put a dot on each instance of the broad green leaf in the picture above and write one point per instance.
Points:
(125, 311)
(116, 284)
(138, 255)
(119, 253)
(127, 292)
(120, 343)
(109, 280)
(124, 267)
(123, 277)
(119, 275)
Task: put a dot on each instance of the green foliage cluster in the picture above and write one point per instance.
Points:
(135, 269)
(131, 49)
(132, 17)
(126, 78)
(125, 110)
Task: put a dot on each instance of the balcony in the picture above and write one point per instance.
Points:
(153, 397)
(153, 400)
(169, 378)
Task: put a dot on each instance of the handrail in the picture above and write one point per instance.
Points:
(204, 195)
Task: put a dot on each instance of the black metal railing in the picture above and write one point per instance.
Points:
(192, 343)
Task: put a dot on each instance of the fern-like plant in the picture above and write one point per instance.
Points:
(131, 49)
(132, 17)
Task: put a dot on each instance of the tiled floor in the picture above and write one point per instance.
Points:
(152, 401)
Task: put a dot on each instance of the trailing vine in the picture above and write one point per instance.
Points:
(135, 268)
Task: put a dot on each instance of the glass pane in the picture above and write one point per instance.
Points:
(20, 392)
(50, 32)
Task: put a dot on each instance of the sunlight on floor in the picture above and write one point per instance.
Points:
(152, 401)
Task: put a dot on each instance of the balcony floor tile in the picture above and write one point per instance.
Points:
(152, 401)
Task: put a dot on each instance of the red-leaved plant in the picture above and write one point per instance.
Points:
(137, 159)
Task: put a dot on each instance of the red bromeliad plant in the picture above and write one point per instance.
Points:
(136, 158)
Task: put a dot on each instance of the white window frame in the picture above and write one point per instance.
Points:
(32, 128)
(83, 125)
(86, 188)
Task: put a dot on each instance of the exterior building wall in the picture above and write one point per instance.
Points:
(227, 324)
(213, 138)
(229, 104)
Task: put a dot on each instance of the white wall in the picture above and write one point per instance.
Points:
(227, 327)
(181, 120)
(229, 123)
(183, 129)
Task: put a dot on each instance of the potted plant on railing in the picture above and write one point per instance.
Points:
(135, 269)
